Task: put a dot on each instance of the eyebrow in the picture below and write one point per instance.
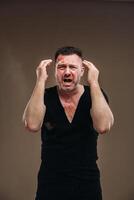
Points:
(63, 64)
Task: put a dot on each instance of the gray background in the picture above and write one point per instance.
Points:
(30, 32)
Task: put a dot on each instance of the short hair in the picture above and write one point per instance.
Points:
(68, 50)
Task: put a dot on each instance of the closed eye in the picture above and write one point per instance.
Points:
(61, 66)
(73, 67)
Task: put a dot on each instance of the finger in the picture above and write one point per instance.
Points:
(45, 62)
(87, 62)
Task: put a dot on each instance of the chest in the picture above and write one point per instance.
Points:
(70, 110)
(64, 112)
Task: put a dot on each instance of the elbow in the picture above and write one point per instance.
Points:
(103, 130)
(32, 127)
(105, 127)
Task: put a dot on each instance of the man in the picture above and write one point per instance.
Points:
(70, 116)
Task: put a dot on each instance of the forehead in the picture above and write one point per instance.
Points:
(69, 59)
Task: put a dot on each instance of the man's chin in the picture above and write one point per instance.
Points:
(68, 89)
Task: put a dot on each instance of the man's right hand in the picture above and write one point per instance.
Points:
(41, 71)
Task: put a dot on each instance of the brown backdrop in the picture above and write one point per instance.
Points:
(30, 32)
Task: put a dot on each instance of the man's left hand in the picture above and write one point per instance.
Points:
(93, 72)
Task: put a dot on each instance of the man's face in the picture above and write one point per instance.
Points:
(68, 72)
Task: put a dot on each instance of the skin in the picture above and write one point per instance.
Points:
(35, 109)
(101, 113)
(68, 68)
(68, 72)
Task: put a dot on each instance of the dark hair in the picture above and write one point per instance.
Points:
(68, 50)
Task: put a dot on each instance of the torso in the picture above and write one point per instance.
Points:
(70, 103)
(69, 151)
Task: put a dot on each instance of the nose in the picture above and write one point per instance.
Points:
(67, 71)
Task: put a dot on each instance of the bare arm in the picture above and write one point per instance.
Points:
(100, 112)
(35, 109)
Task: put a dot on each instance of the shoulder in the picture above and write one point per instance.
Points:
(50, 89)
(50, 93)
(88, 93)
(87, 89)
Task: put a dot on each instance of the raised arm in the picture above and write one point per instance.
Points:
(35, 109)
(100, 112)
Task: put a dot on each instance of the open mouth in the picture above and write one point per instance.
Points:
(67, 80)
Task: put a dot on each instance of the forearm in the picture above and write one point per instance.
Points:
(100, 112)
(35, 109)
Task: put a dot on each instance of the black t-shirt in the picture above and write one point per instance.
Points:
(69, 152)
(68, 145)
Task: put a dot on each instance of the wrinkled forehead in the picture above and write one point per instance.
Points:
(69, 59)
